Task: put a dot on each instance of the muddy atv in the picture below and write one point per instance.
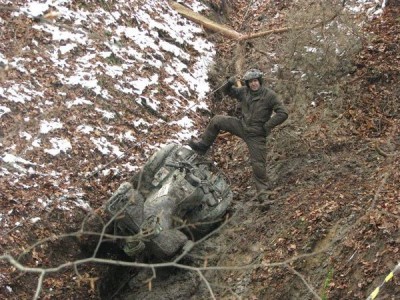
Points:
(176, 198)
(177, 195)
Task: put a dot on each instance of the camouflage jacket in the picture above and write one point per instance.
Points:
(258, 107)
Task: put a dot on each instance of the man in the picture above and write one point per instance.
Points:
(258, 104)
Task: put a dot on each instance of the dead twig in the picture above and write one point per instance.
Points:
(381, 152)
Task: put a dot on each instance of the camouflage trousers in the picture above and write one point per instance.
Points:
(256, 145)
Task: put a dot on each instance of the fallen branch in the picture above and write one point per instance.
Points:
(230, 33)
(286, 29)
(207, 23)
(271, 31)
(239, 56)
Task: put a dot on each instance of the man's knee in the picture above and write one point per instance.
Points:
(217, 120)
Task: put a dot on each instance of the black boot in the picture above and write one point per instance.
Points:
(199, 147)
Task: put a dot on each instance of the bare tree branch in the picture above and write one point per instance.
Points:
(207, 23)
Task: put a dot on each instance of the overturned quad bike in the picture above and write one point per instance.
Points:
(176, 198)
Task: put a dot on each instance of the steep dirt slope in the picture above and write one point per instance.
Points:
(333, 231)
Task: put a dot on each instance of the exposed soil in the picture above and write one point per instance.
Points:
(334, 225)
(332, 230)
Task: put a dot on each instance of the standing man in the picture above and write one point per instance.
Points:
(258, 103)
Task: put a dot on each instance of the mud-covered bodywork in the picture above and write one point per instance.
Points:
(177, 190)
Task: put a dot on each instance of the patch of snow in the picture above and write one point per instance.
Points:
(3, 59)
(85, 129)
(36, 143)
(140, 123)
(16, 162)
(127, 136)
(47, 126)
(311, 49)
(105, 147)
(35, 220)
(61, 35)
(59, 145)
(106, 114)
(25, 135)
(184, 135)
(78, 101)
(44, 202)
(141, 84)
(19, 93)
(185, 122)
(152, 103)
(67, 48)
(4, 110)
(35, 10)
(83, 204)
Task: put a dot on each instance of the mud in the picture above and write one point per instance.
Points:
(122, 283)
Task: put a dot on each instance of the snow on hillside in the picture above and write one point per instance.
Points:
(94, 88)
(89, 84)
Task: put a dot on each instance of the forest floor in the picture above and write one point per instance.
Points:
(334, 225)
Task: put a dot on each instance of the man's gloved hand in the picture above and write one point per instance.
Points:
(267, 129)
(231, 80)
(227, 86)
